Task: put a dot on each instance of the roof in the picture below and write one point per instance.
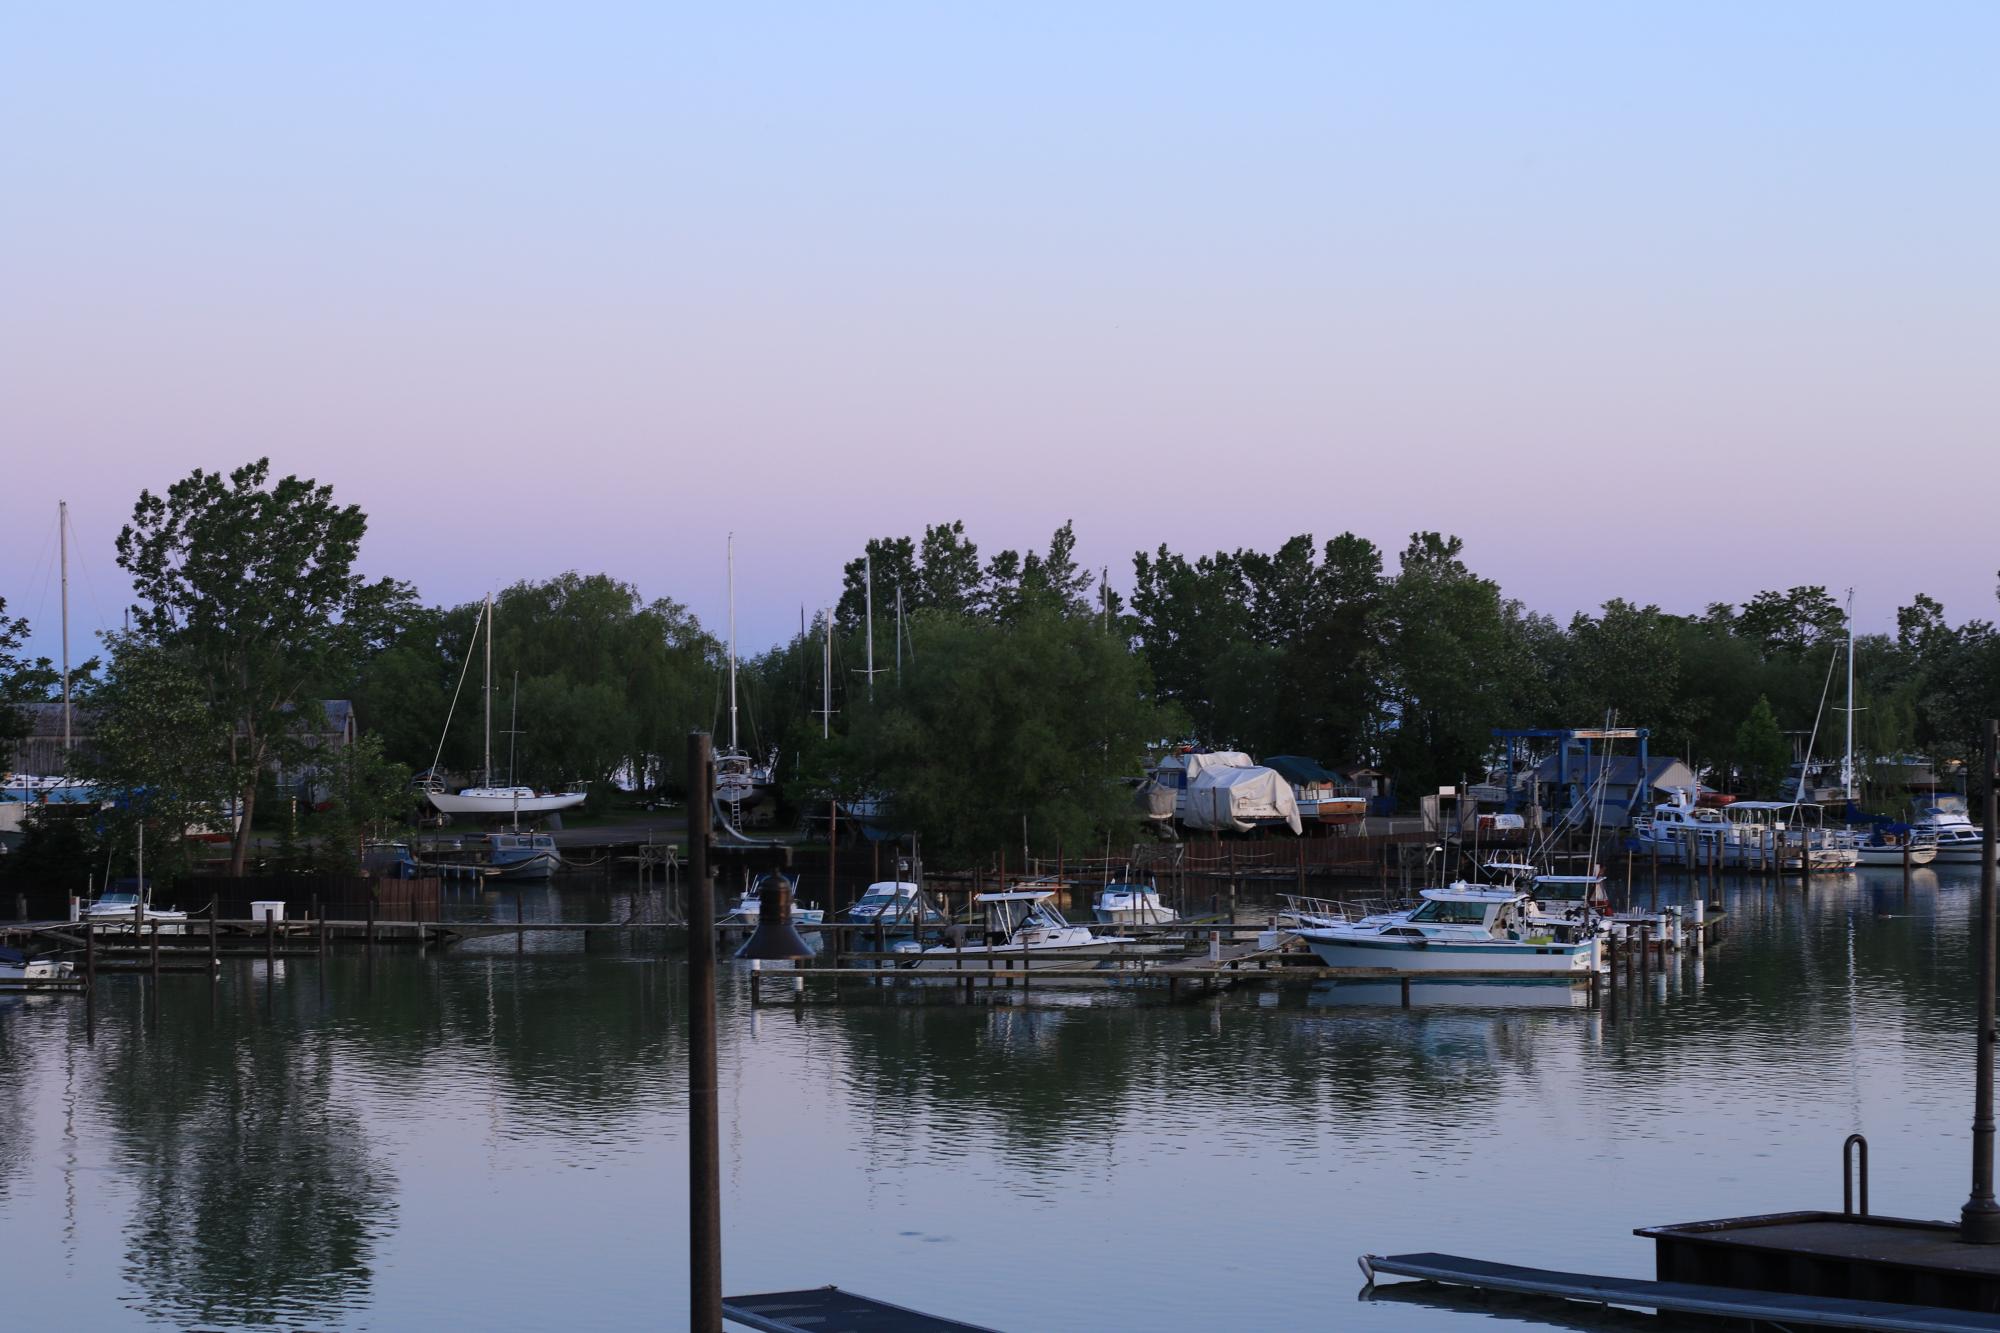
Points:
(1299, 770)
(1621, 770)
(1471, 893)
(1015, 896)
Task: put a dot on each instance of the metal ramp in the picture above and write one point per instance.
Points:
(1682, 1297)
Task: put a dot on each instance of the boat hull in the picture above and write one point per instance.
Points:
(1893, 856)
(458, 803)
(1045, 958)
(1414, 958)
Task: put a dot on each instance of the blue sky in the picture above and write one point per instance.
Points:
(1672, 303)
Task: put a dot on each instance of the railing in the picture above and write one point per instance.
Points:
(1848, 1156)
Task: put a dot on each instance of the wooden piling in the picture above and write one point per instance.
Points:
(270, 942)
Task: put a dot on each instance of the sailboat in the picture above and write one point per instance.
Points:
(741, 782)
(488, 799)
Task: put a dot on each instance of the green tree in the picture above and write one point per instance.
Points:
(1761, 752)
(17, 681)
(1045, 717)
(368, 797)
(251, 584)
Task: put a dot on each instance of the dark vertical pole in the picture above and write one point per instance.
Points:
(90, 953)
(832, 863)
(270, 941)
(704, 1134)
(1979, 1222)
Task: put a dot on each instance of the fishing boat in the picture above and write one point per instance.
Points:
(1942, 818)
(750, 907)
(116, 908)
(17, 968)
(1464, 927)
(489, 798)
(1127, 904)
(894, 902)
(1022, 926)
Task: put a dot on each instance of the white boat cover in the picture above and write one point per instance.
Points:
(1237, 798)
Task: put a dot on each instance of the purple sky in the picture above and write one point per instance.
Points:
(1670, 305)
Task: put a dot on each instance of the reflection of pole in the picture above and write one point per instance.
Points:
(1979, 1221)
(704, 1165)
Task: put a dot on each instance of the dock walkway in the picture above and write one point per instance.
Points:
(1682, 1297)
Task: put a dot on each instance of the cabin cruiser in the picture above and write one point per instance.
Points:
(749, 908)
(1023, 925)
(1896, 845)
(1461, 928)
(121, 907)
(894, 902)
(1943, 819)
(1762, 831)
(1132, 905)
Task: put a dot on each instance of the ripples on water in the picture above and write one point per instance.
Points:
(497, 1140)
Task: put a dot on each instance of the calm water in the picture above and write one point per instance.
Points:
(497, 1141)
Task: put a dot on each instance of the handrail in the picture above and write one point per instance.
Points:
(1847, 1174)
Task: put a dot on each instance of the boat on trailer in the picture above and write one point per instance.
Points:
(1024, 926)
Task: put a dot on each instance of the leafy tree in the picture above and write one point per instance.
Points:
(251, 585)
(1792, 621)
(949, 577)
(1761, 752)
(368, 797)
(1049, 714)
(17, 684)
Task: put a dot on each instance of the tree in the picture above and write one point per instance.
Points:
(250, 585)
(1762, 753)
(368, 795)
(16, 681)
(1050, 714)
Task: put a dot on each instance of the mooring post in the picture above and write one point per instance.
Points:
(90, 952)
(520, 936)
(1406, 992)
(704, 1132)
(270, 941)
(156, 950)
(1979, 1222)
(371, 916)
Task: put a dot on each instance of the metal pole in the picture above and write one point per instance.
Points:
(704, 1133)
(62, 528)
(1979, 1221)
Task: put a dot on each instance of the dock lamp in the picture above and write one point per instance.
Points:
(1979, 1221)
(775, 938)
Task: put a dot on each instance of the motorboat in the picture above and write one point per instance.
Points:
(749, 908)
(1132, 905)
(894, 902)
(1896, 845)
(1462, 928)
(17, 968)
(1945, 821)
(117, 908)
(514, 855)
(1022, 925)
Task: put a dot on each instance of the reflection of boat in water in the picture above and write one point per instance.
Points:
(1023, 926)
(1446, 992)
(1461, 928)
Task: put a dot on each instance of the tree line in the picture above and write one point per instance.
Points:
(1014, 693)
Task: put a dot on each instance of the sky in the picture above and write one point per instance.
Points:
(1670, 303)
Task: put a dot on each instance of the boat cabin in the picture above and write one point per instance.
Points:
(1500, 913)
(1023, 915)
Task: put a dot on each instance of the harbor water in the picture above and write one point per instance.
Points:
(495, 1139)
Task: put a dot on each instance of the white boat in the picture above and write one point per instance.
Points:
(490, 799)
(1132, 905)
(749, 908)
(16, 968)
(1463, 928)
(894, 902)
(1944, 820)
(1022, 926)
(741, 783)
(1896, 849)
(1749, 833)
(115, 908)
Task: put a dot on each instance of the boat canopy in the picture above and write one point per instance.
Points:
(1015, 896)
(1470, 893)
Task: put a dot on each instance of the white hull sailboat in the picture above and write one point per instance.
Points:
(489, 800)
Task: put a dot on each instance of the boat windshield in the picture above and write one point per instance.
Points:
(118, 900)
(1444, 912)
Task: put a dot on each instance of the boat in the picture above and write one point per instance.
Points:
(512, 854)
(749, 908)
(894, 902)
(1896, 845)
(1218, 790)
(117, 908)
(1022, 926)
(489, 798)
(17, 968)
(1462, 928)
(1127, 904)
(1943, 819)
(1750, 834)
(741, 782)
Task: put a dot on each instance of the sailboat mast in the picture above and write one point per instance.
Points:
(826, 681)
(1847, 764)
(899, 636)
(489, 690)
(868, 603)
(732, 642)
(62, 529)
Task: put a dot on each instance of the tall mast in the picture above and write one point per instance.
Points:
(899, 636)
(1847, 764)
(732, 642)
(62, 528)
(489, 689)
(826, 681)
(868, 598)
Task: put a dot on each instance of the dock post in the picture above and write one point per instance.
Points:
(371, 916)
(214, 947)
(90, 952)
(270, 943)
(1406, 992)
(1979, 1221)
(1906, 866)
(704, 1132)
(1645, 954)
(156, 950)
(20, 907)
(520, 936)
